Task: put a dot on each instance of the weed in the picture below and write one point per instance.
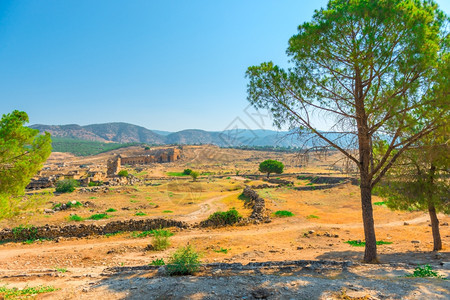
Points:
(28, 233)
(310, 183)
(161, 232)
(425, 271)
(92, 198)
(312, 217)
(75, 218)
(225, 218)
(177, 174)
(66, 185)
(111, 210)
(61, 270)
(99, 217)
(140, 213)
(228, 177)
(71, 204)
(157, 262)
(167, 211)
(14, 293)
(222, 250)
(185, 261)
(283, 214)
(160, 242)
(379, 203)
(359, 243)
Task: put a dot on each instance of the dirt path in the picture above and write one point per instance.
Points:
(206, 208)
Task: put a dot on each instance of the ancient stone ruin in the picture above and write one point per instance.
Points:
(152, 156)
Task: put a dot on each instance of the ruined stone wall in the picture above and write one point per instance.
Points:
(258, 205)
(156, 156)
(113, 166)
(82, 230)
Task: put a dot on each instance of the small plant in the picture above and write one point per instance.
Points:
(92, 198)
(161, 232)
(95, 183)
(27, 233)
(379, 203)
(194, 175)
(425, 271)
(66, 185)
(75, 218)
(113, 233)
(167, 211)
(140, 213)
(312, 217)
(61, 270)
(225, 218)
(157, 262)
(359, 243)
(123, 173)
(187, 172)
(283, 214)
(111, 210)
(99, 217)
(185, 261)
(228, 177)
(222, 250)
(71, 204)
(160, 242)
(15, 293)
(310, 183)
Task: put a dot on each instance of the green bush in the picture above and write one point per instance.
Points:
(25, 293)
(66, 186)
(157, 262)
(187, 172)
(140, 213)
(160, 242)
(229, 217)
(283, 214)
(194, 175)
(123, 173)
(185, 261)
(312, 217)
(75, 218)
(425, 271)
(359, 243)
(99, 217)
(111, 210)
(95, 183)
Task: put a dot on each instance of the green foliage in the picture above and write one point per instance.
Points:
(153, 232)
(123, 173)
(167, 211)
(379, 203)
(15, 293)
(75, 218)
(187, 172)
(194, 175)
(229, 217)
(222, 250)
(283, 214)
(140, 213)
(160, 242)
(111, 210)
(99, 217)
(356, 243)
(425, 271)
(61, 270)
(95, 183)
(28, 233)
(85, 148)
(312, 217)
(271, 166)
(11, 206)
(185, 261)
(22, 153)
(157, 262)
(66, 185)
(113, 233)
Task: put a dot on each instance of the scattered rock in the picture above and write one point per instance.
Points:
(405, 223)
(415, 242)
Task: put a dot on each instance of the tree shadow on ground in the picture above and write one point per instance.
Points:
(304, 284)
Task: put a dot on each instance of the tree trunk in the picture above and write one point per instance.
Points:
(370, 253)
(437, 243)
(268, 175)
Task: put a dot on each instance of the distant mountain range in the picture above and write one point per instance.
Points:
(129, 133)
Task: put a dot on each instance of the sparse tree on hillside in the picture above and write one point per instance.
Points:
(419, 180)
(271, 166)
(194, 175)
(372, 66)
(22, 154)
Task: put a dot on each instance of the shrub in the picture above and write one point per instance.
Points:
(71, 204)
(95, 183)
(194, 175)
(66, 186)
(425, 271)
(312, 217)
(99, 217)
(185, 261)
(187, 172)
(167, 211)
(359, 243)
(283, 214)
(123, 173)
(140, 213)
(225, 218)
(75, 218)
(25, 293)
(160, 242)
(111, 210)
(222, 250)
(157, 262)
(161, 232)
(379, 203)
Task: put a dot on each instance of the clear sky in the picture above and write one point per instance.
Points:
(162, 64)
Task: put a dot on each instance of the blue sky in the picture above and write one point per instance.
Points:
(166, 64)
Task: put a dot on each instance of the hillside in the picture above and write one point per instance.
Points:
(123, 133)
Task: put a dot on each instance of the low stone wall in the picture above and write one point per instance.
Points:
(279, 181)
(258, 204)
(83, 230)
